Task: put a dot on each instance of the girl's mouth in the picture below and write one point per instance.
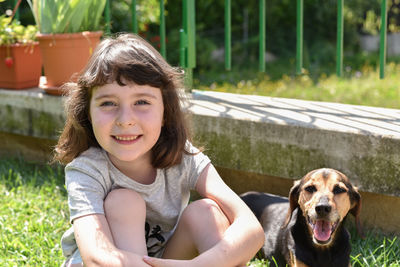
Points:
(125, 139)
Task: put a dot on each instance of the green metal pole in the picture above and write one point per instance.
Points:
(191, 33)
(108, 17)
(299, 38)
(163, 48)
(262, 37)
(383, 39)
(189, 27)
(134, 17)
(339, 40)
(184, 41)
(228, 58)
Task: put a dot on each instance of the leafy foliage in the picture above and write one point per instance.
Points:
(12, 32)
(147, 13)
(60, 16)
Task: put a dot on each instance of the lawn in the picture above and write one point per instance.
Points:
(34, 215)
(359, 85)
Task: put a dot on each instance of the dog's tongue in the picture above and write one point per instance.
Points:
(322, 230)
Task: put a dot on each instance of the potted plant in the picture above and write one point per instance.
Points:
(68, 33)
(20, 59)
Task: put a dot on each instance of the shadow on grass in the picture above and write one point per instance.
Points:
(17, 172)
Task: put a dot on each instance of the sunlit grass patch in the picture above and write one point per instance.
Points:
(377, 249)
(357, 86)
(33, 214)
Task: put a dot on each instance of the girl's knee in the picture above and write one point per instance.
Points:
(205, 211)
(204, 223)
(123, 199)
(204, 205)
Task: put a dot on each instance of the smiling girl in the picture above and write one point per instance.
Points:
(130, 167)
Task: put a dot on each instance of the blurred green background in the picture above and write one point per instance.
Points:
(361, 18)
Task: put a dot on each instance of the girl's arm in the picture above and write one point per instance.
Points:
(96, 244)
(241, 241)
(245, 235)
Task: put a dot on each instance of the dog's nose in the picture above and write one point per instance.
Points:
(323, 208)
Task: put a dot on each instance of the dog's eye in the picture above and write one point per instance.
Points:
(311, 189)
(338, 190)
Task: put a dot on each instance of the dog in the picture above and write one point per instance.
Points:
(307, 229)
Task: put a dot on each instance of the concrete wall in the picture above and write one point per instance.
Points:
(256, 143)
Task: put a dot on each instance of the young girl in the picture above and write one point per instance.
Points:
(130, 168)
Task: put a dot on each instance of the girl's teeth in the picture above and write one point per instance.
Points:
(130, 138)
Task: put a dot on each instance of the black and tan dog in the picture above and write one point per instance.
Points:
(307, 229)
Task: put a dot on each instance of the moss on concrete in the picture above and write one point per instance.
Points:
(369, 161)
(263, 147)
(47, 125)
(30, 122)
(377, 174)
(16, 121)
(239, 146)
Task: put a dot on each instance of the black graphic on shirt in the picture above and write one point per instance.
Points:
(155, 233)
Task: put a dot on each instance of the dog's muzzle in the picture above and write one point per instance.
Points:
(320, 222)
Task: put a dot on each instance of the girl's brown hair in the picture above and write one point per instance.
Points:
(125, 58)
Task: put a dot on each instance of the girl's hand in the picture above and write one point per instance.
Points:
(156, 262)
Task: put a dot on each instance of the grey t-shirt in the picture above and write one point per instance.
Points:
(91, 176)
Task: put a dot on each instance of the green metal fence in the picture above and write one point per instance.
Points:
(188, 35)
(339, 40)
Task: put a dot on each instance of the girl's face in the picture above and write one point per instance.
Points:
(127, 120)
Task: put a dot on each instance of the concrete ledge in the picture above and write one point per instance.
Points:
(31, 113)
(287, 137)
(257, 143)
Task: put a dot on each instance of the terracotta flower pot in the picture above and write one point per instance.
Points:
(23, 67)
(64, 56)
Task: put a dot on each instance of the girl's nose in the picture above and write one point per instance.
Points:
(121, 124)
(125, 117)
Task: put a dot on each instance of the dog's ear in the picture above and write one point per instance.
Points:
(293, 201)
(355, 199)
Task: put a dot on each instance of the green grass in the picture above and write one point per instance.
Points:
(34, 215)
(377, 249)
(360, 84)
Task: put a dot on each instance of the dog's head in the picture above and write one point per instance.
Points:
(325, 196)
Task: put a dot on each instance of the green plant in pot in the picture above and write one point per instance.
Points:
(69, 30)
(20, 59)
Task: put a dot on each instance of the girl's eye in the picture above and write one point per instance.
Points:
(142, 102)
(107, 104)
